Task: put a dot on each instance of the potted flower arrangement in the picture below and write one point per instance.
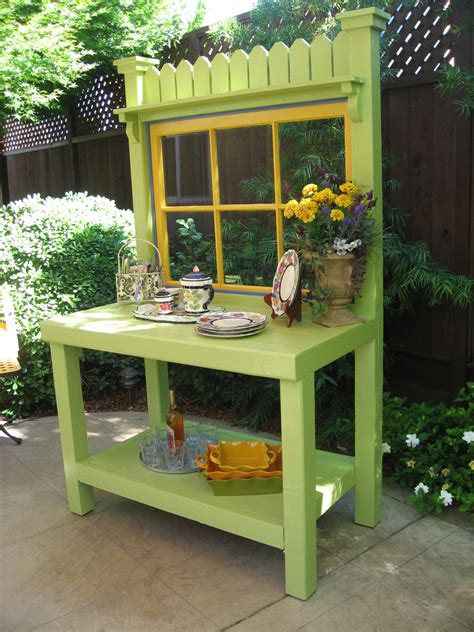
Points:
(333, 231)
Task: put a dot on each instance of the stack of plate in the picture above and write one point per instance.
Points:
(231, 324)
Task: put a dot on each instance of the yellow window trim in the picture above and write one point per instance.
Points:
(211, 124)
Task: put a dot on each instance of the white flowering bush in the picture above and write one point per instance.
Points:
(430, 448)
(58, 255)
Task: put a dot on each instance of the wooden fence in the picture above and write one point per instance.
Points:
(432, 351)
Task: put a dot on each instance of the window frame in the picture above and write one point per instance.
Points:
(273, 117)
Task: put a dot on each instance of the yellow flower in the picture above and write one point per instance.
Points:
(348, 187)
(446, 486)
(306, 211)
(337, 215)
(411, 464)
(326, 196)
(471, 465)
(309, 189)
(445, 471)
(290, 208)
(343, 200)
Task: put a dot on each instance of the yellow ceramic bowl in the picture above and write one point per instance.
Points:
(245, 456)
(213, 472)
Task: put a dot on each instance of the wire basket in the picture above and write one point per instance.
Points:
(138, 286)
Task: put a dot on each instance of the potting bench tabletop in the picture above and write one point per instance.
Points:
(313, 480)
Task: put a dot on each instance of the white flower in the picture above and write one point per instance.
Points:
(468, 436)
(412, 440)
(446, 497)
(424, 488)
(386, 448)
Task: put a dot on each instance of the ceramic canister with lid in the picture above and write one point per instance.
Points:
(197, 291)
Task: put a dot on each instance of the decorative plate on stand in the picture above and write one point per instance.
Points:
(286, 281)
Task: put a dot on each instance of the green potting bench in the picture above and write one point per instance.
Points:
(339, 78)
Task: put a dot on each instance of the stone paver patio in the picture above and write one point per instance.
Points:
(129, 567)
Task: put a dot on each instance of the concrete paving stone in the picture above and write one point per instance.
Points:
(291, 614)
(51, 574)
(230, 582)
(443, 577)
(395, 551)
(156, 539)
(10, 466)
(147, 606)
(382, 608)
(28, 507)
(236, 579)
(338, 533)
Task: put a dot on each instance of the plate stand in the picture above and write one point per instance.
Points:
(292, 311)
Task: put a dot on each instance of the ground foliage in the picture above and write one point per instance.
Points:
(424, 443)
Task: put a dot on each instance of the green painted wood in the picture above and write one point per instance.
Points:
(202, 77)
(117, 470)
(299, 467)
(134, 69)
(151, 85)
(258, 67)
(168, 83)
(157, 387)
(290, 355)
(362, 31)
(277, 352)
(231, 101)
(321, 58)
(220, 74)
(239, 70)
(300, 69)
(184, 80)
(279, 64)
(368, 433)
(72, 424)
(340, 55)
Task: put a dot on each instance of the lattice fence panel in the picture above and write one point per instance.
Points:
(19, 135)
(421, 39)
(93, 112)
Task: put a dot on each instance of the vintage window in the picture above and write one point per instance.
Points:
(220, 184)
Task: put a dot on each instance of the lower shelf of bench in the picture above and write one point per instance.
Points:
(118, 470)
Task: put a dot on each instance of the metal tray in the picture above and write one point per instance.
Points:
(185, 470)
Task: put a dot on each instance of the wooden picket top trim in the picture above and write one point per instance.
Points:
(323, 62)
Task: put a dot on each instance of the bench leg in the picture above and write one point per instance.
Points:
(72, 424)
(156, 375)
(368, 433)
(299, 479)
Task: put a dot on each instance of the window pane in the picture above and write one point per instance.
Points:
(249, 245)
(191, 242)
(310, 151)
(187, 169)
(245, 162)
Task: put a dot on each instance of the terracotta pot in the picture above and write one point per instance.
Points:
(337, 277)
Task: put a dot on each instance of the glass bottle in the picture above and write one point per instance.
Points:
(174, 423)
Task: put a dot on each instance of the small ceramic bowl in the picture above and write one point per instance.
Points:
(164, 302)
(174, 291)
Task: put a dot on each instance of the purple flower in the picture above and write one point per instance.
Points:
(359, 209)
(347, 221)
(325, 210)
(370, 195)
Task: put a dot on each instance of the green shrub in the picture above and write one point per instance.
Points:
(432, 445)
(58, 255)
